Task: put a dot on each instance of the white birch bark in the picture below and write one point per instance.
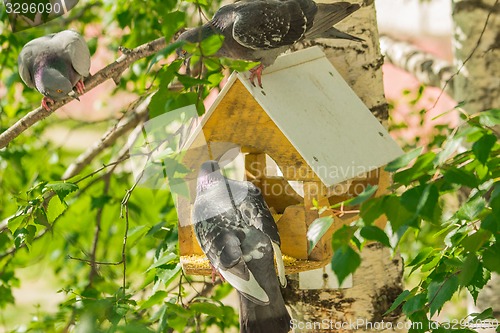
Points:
(477, 53)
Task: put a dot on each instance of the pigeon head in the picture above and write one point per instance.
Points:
(208, 175)
(52, 83)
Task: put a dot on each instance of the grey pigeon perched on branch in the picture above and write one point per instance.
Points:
(260, 30)
(238, 234)
(55, 64)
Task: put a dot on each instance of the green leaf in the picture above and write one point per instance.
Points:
(431, 265)
(157, 298)
(469, 268)
(372, 232)
(486, 314)
(188, 81)
(343, 236)
(363, 196)
(62, 189)
(172, 21)
(41, 217)
(490, 118)
(491, 223)
(423, 166)
(20, 237)
(167, 275)
(460, 177)
(414, 304)
(422, 256)
(450, 147)
(15, 222)
(404, 160)
(164, 53)
(400, 299)
(441, 291)
(317, 229)
(55, 209)
(209, 46)
(471, 209)
(238, 65)
(473, 242)
(371, 210)
(176, 317)
(345, 261)
(482, 147)
(165, 259)
(479, 280)
(423, 201)
(207, 308)
(491, 258)
(397, 214)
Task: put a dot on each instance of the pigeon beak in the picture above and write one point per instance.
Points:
(74, 96)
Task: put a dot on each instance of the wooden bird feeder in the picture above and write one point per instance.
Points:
(317, 131)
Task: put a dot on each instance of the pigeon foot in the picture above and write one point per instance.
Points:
(80, 87)
(256, 72)
(216, 272)
(46, 103)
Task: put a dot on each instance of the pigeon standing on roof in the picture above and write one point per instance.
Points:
(55, 64)
(260, 30)
(238, 234)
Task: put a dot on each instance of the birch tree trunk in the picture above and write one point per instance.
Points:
(477, 50)
(378, 281)
(477, 54)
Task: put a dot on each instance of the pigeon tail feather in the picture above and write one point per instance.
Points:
(328, 15)
(337, 34)
(264, 319)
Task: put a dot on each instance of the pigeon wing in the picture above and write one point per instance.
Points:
(328, 15)
(76, 50)
(25, 65)
(268, 24)
(256, 213)
(220, 238)
(27, 57)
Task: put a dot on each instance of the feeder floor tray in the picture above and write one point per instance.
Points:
(199, 265)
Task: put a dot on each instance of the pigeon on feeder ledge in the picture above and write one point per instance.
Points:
(262, 30)
(238, 234)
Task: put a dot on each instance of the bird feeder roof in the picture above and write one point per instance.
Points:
(306, 118)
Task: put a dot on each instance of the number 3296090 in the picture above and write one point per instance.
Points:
(31, 8)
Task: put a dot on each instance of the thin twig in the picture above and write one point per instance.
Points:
(90, 262)
(98, 220)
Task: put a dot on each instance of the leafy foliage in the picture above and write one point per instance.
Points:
(466, 249)
(110, 242)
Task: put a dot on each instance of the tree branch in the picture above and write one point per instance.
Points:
(426, 67)
(112, 71)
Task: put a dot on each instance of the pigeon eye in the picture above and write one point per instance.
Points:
(59, 90)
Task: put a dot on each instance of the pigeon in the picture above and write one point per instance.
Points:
(237, 232)
(55, 64)
(261, 30)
